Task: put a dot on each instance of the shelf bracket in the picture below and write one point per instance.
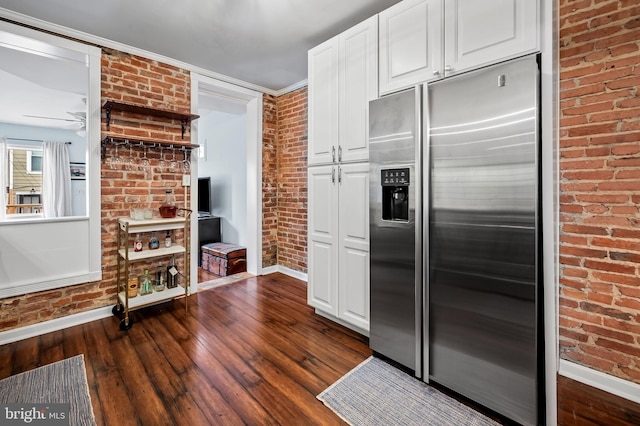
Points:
(103, 155)
(108, 110)
(184, 126)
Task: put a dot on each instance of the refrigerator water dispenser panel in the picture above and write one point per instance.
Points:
(395, 194)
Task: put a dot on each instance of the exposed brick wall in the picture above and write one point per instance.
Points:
(292, 180)
(600, 185)
(269, 181)
(139, 81)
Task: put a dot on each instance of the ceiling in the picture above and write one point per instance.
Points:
(261, 42)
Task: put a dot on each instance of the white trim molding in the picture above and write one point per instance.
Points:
(293, 87)
(286, 271)
(614, 385)
(45, 327)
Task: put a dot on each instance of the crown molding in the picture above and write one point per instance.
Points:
(293, 87)
(81, 36)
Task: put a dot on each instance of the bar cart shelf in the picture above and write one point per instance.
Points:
(127, 229)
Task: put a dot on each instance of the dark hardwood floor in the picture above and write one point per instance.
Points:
(580, 404)
(204, 275)
(251, 352)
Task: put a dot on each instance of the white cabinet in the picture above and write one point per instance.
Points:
(343, 78)
(423, 40)
(323, 102)
(479, 33)
(338, 223)
(410, 44)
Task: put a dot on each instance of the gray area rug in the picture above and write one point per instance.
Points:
(375, 393)
(62, 382)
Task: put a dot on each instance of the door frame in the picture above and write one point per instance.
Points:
(253, 103)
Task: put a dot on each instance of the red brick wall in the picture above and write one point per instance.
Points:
(140, 81)
(269, 181)
(134, 80)
(292, 180)
(600, 185)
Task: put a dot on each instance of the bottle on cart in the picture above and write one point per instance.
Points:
(159, 284)
(137, 243)
(167, 239)
(172, 274)
(132, 284)
(168, 209)
(154, 243)
(145, 284)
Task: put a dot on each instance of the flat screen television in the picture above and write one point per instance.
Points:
(204, 196)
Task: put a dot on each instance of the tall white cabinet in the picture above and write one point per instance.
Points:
(424, 40)
(338, 251)
(343, 78)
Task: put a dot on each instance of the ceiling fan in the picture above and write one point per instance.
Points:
(78, 122)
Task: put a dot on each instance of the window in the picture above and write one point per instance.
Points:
(24, 185)
(34, 162)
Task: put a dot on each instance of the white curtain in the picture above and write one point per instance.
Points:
(3, 177)
(56, 180)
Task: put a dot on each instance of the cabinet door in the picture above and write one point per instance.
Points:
(358, 85)
(322, 288)
(479, 33)
(410, 44)
(353, 302)
(323, 102)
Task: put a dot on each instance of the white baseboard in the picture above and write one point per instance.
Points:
(287, 271)
(38, 329)
(614, 385)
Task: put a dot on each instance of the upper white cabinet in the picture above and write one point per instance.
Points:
(479, 33)
(323, 102)
(423, 40)
(343, 78)
(358, 83)
(410, 44)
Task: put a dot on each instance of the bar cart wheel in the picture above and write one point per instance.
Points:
(126, 323)
(117, 309)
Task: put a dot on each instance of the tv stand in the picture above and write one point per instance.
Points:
(208, 232)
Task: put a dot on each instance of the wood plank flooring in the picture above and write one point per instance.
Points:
(251, 352)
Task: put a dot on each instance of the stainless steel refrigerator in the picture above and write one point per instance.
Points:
(480, 292)
(395, 225)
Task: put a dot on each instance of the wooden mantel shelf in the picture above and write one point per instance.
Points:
(110, 106)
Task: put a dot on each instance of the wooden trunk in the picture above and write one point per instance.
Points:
(224, 259)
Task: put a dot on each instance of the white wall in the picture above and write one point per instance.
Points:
(226, 163)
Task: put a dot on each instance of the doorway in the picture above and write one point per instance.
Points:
(229, 132)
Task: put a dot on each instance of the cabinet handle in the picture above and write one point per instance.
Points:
(436, 73)
(333, 154)
(448, 68)
(339, 174)
(333, 175)
(339, 153)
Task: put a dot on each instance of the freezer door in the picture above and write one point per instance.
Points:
(483, 239)
(395, 263)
